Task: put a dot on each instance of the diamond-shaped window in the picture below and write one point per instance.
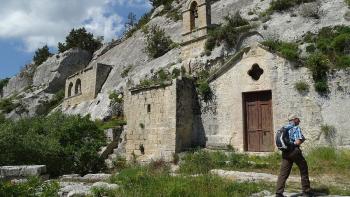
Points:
(255, 72)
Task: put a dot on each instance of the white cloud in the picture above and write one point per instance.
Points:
(39, 22)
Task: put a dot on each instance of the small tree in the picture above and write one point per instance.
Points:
(82, 39)
(157, 43)
(41, 55)
(131, 21)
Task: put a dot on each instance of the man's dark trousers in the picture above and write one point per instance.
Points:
(288, 158)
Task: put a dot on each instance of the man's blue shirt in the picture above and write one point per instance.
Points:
(294, 132)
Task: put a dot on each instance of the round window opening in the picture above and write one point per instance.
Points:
(255, 72)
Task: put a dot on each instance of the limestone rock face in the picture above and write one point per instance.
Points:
(54, 71)
(19, 82)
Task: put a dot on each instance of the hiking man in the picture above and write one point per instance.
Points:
(293, 155)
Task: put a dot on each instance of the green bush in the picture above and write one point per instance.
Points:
(287, 49)
(157, 43)
(229, 32)
(343, 61)
(126, 71)
(41, 55)
(7, 105)
(80, 38)
(65, 144)
(156, 3)
(319, 66)
(116, 97)
(341, 43)
(34, 187)
(310, 48)
(302, 87)
(3, 83)
(281, 5)
(347, 2)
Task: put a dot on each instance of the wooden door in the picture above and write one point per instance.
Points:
(258, 121)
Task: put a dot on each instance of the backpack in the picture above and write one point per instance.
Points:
(282, 139)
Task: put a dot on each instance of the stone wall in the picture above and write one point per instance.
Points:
(90, 79)
(223, 120)
(159, 120)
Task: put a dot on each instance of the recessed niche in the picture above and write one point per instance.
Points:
(255, 72)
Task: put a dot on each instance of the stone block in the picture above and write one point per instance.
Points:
(22, 171)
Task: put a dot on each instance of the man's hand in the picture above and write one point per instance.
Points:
(298, 142)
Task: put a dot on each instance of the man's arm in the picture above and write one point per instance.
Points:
(299, 137)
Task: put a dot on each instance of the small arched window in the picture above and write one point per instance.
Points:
(78, 86)
(194, 15)
(70, 89)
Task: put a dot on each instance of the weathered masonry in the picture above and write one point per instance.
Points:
(253, 96)
(160, 120)
(196, 21)
(85, 84)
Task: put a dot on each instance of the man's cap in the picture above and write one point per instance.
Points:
(292, 117)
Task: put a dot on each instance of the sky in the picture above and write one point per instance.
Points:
(26, 25)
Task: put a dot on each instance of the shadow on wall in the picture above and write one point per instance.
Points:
(198, 134)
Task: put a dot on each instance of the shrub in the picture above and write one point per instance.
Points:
(310, 10)
(343, 61)
(347, 2)
(156, 3)
(120, 163)
(7, 105)
(302, 87)
(175, 73)
(80, 38)
(41, 55)
(288, 50)
(205, 91)
(3, 83)
(34, 187)
(229, 32)
(2, 118)
(65, 144)
(116, 97)
(329, 132)
(282, 5)
(310, 48)
(319, 66)
(341, 43)
(126, 71)
(157, 43)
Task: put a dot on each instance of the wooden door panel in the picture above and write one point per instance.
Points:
(258, 120)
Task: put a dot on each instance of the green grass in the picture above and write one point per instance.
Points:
(112, 123)
(201, 162)
(302, 87)
(147, 181)
(288, 50)
(34, 187)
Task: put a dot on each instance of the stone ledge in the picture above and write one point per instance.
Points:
(22, 171)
